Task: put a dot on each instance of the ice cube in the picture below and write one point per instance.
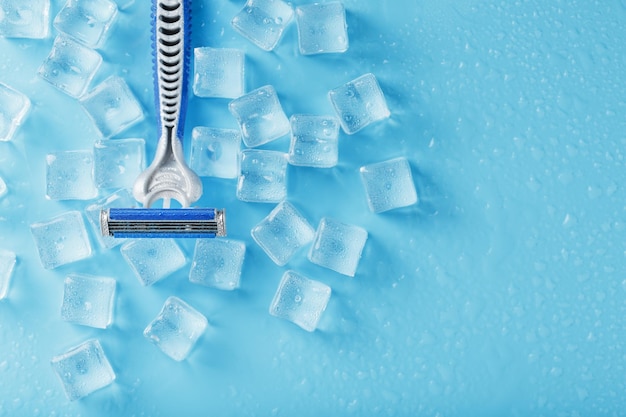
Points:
(119, 199)
(260, 116)
(322, 28)
(314, 141)
(263, 22)
(87, 21)
(69, 176)
(14, 107)
(70, 67)
(112, 106)
(176, 329)
(88, 300)
(83, 369)
(118, 163)
(61, 240)
(300, 300)
(359, 103)
(153, 259)
(218, 72)
(217, 263)
(3, 188)
(7, 263)
(282, 233)
(263, 176)
(389, 185)
(215, 152)
(24, 18)
(338, 246)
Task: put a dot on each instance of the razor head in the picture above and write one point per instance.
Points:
(163, 223)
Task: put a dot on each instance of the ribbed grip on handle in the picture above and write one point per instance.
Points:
(171, 33)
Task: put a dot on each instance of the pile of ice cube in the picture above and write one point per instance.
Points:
(103, 175)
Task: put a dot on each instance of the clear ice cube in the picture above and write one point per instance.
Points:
(314, 141)
(282, 233)
(119, 199)
(176, 329)
(217, 263)
(7, 264)
(218, 72)
(61, 240)
(83, 369)
(338, 246)
(389, 185)
(14, 107)
(69, 176)
(153, 259)
(88, 300)
(112, 106)
(359, 103)
(215, 152)
(260, 116)
(118, 162)
(263, 176)
(300, 300)
(322, 28)
(70, 66)
(24, 18)
(263, 22)
(87, 21)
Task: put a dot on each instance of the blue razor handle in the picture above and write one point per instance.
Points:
(169, 177)
(162, 223)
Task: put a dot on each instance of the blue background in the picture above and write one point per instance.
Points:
(501, 293)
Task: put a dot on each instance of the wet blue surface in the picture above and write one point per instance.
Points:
(501, 293)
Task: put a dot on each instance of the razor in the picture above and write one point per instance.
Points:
(168, 177)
